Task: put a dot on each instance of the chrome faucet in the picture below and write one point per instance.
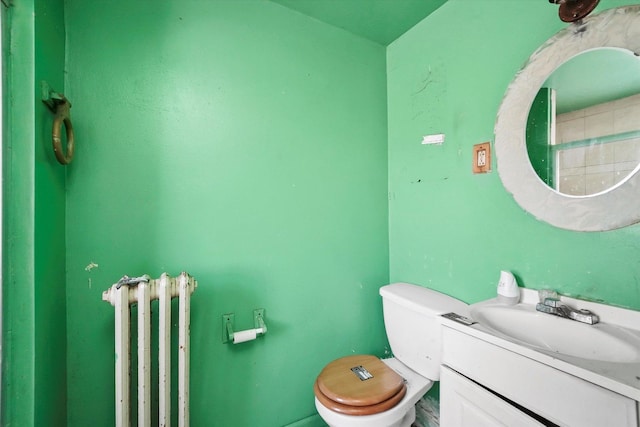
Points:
(555, 306)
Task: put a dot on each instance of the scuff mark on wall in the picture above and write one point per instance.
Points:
(91, 266)
(429, 93)
(425, 82)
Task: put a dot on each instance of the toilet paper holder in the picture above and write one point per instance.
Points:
(228, 334)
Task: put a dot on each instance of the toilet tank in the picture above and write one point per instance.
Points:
(412, 321)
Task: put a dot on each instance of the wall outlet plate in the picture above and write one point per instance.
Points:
(482, 158)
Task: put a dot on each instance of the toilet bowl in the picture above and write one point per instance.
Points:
(364, 391)
(401, 414)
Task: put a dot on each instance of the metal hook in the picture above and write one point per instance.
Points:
(61, 107)
(63, 116)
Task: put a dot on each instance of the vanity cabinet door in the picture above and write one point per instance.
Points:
(464, 403)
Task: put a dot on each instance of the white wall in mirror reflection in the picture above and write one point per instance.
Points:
(585, 168)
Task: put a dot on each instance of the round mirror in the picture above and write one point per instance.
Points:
(531, 151)
(583, 129)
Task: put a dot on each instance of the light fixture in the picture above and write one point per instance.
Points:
(574, 10)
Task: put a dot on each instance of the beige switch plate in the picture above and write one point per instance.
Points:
(482, 157)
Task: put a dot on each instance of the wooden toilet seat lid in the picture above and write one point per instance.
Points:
(359, 385)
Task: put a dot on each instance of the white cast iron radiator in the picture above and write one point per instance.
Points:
(141, 291)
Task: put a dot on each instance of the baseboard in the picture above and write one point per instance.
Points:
(312, 421)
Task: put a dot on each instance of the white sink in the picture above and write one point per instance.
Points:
(521, 322)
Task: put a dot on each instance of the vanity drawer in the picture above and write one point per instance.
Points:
(555, 395)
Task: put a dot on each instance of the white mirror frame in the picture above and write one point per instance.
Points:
(614, 208)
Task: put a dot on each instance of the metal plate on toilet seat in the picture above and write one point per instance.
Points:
(361, 373)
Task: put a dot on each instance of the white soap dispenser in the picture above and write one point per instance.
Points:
(508, 291)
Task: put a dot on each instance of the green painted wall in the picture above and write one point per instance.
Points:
(452, 230)
(50, 256)
(246, 144)
(537, 134)
(18, 323)
(34, 322)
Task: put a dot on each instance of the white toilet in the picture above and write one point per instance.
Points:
(364, 391)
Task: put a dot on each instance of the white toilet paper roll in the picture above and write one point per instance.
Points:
(243, 336)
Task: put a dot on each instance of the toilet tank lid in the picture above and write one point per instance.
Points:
(423, 300)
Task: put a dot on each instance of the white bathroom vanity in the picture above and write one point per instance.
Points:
(520, 367)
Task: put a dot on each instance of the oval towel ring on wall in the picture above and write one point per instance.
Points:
(63, 117)
(61, 107)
